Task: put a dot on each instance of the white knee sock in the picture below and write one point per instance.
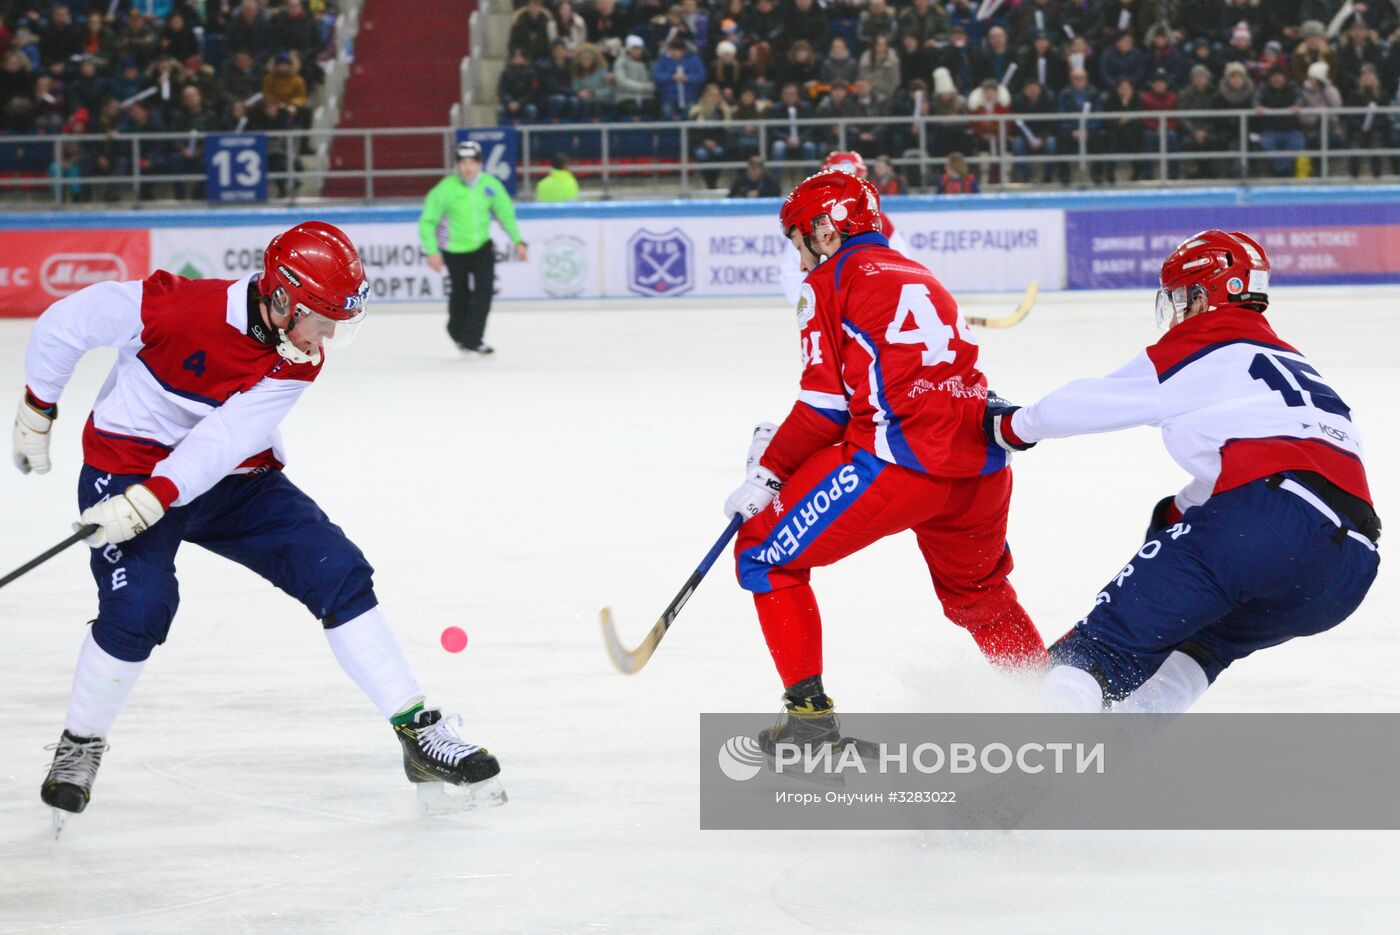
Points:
(370, 654)
(1173, 688)
(1069, 690)
(101, 685)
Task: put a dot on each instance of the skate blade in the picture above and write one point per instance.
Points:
(440, 798)
(60, 818)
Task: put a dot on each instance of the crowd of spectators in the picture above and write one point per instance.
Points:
(1087, 69)
(124, 68)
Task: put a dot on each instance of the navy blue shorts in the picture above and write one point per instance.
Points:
(261, 521)
(1251, 568)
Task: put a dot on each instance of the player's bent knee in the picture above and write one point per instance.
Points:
(124, 643)
(346, 589)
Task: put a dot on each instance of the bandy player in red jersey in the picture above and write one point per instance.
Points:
(182, 445)
(1273, 538)
(886, 435)
(790, 272)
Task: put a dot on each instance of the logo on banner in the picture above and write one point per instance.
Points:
(660, 264)
(564, 266)
(65, 273)
(190, 265)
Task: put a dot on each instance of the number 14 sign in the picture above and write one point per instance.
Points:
(235, 166)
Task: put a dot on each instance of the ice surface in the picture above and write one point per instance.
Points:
(251, 788)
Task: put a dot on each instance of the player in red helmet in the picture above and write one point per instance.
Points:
(885, 436)
(1277, 486)
(316, 290)
(182, 445)
(790, 272)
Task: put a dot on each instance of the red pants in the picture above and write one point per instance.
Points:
(843, 499)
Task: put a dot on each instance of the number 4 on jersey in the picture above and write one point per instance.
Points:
(928, 329)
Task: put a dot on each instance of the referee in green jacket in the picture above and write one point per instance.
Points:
(468, 198)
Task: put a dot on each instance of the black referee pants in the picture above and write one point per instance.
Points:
(472, 281)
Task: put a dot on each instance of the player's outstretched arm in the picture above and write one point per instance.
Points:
(1128, 397)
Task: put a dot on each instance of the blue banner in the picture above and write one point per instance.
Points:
(235, 166)
(500, 152)
(1319, 245)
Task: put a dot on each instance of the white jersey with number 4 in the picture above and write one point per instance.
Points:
(1234, 402)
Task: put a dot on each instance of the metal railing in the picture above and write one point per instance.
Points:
(617, 159)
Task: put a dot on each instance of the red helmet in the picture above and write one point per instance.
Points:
(851, 204)
(317, 266)
(1227, 269)
(846, 162)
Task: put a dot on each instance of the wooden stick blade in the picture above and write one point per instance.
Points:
(1016, 317)
(628, 661)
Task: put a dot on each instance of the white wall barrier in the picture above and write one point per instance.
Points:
(650, 256)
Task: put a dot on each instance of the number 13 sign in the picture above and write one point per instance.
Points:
(235, 166)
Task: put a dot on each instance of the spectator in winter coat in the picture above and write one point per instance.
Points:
(726, 70)
(1123, 60)
(1201, 134)
(568, 25)
(1318, 92)
(285, 87)
(1043, 66)
(1163, 55)
(679, 77)
(988, 99)
(1279, 125)
(556, 82)
(795, 141)
(805, 21)
(246, 29)
(922, 20)
(592, 82)
(1077, 98)
(99, 41)
(530, 30)
(1237, 12)
(800, 68)
(240, 78)
(1033, 137)
(1370, 130)
(838, 67)
(1033, 18)
(1158, 95)
(880, 66)
(964, 61)
(518, 90)
(997, 58)
(62, 40)
(877, 20)
(1360, 48)
(754, 182)
(634, 92)
(1313, 48)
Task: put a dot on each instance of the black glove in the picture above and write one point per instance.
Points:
(996, 424)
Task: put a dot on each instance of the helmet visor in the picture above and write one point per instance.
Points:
(313, 330)
(1171, 305)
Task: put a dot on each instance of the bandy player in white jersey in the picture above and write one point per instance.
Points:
(1275, 535)
(790, 272)
(182, 446)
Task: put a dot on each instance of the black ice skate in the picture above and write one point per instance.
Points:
(451, 774)
(808, 721)
(68, 786)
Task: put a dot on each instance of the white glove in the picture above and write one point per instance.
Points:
(31, 439)
(753, 496)
(762, 434)
(122, 517)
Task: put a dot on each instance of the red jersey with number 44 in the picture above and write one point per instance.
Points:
(889, 365)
